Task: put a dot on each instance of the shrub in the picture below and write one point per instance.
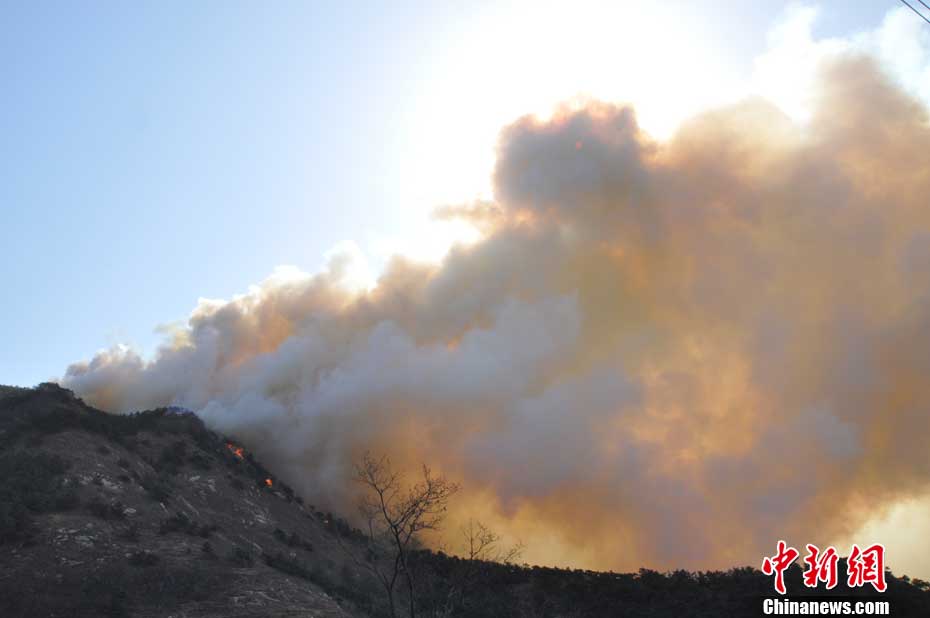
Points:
(106, 510)
(241, 557)
(292, 539)
(172, 456)
(288, 565)
(157, 489)
(200, 461)
(30, 484)
(130, 533)
(143, 558)
(179, 522)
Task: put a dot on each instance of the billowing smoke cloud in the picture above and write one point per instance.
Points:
(666, 354)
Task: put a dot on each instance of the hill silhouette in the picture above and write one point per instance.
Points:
(152, 514)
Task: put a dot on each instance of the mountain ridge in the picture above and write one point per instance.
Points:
(153, 514)
(147, 511)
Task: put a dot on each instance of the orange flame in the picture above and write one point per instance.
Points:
(268, 482)
(237, 450)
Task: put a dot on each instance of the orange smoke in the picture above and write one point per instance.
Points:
(663, 354)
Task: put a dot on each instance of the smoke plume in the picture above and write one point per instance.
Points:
(660, 353)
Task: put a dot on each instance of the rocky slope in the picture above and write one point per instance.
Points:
(153, 515)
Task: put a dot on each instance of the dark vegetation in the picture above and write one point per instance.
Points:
(114, 591)
(106, 510)
(143, 558)
(35, 484)
(30, 484)
(122, 570)
(511, 590)
(130, 533)
(241, 557)
(179, 522)
(292, 540)
(363, 593)
(49, 409)
(157, 488)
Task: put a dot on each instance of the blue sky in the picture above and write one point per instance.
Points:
(155, 153)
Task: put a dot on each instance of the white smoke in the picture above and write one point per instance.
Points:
(660, 353)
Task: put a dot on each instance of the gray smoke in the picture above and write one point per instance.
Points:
(661, 353)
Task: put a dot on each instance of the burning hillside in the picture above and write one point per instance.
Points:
(151, 513)
(143, 514)
(670, 318)
(235, 450)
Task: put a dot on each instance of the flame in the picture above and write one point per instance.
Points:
(268, 482)
(237, 450)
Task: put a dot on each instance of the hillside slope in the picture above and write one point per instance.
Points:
(152, 515)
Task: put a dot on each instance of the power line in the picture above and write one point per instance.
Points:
(926, 6)
(921, 15)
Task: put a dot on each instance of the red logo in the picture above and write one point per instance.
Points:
(867, 567)
(778, 563)
(821, 567)
(864, 566)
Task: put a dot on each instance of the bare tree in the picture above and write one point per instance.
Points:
(483, 544)
(395, 514)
